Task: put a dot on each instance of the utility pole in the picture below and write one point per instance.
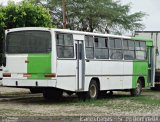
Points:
(64, 13)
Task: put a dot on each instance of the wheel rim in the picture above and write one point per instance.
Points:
(138, 89)
(93, 91)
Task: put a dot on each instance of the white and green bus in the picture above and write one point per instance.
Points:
(89, 64)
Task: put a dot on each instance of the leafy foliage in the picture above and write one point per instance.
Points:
(95, 14)
(24, 14)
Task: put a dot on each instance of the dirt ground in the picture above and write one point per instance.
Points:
(20, 102)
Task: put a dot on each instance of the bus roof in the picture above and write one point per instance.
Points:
(91, 33)
(67, 31)
(149, 41)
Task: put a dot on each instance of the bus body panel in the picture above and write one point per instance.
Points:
(128, 75)
(112, 75)
(115, 74)
(140, 69)
(16, 63)
(38, 65)
(66, 74)
(93, 69)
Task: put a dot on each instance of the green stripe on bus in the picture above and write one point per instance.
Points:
(139, 67)
(39, 65)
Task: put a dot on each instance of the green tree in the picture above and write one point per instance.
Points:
(2, 26)
(95, 14)
(24, 14)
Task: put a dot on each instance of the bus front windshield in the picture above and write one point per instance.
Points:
(29, 41)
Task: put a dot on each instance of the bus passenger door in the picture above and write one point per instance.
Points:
(151, 66)
(80, 64)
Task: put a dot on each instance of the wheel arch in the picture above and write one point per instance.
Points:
(97, 81)
(142, 79)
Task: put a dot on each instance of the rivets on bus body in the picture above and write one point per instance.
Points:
(16, 83)
(26, 61)
(36, 83)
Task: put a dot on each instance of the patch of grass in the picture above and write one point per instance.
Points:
(148, 100)
(8, 112)
(118, 102)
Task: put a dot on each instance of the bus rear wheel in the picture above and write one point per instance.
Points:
(93, 90)
(52, 94)
(137, 91)
(35, 90)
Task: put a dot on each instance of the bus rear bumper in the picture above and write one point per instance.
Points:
(29, 83)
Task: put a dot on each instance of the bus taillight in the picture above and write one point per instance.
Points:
(6, 74)
(50, 75)
(27, 75)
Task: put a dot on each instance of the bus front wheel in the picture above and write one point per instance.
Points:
(137, 91)
(93, 90)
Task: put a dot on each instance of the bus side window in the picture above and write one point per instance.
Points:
(65, 47)
(140, 49)
(101, 48)
(128, 47)
(115, 45)
(143, 45)
(89, 46)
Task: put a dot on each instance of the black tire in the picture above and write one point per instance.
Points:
(35, 90)
(93, 90)
(137, 91)
(81, 95)
(52, 94)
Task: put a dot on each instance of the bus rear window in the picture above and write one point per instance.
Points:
(32, 41)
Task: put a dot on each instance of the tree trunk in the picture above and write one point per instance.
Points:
(90, 25)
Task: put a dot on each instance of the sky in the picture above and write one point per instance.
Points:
(150, 7)
(4, 2)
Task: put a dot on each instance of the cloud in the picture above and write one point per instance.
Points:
(150, 7)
